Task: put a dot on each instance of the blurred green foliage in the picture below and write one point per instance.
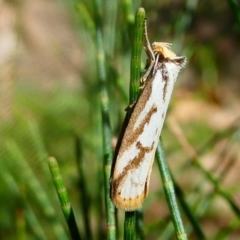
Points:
(44, 121)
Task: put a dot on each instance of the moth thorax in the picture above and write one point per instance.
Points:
(164, 49)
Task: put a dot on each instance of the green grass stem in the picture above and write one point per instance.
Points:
(130, 221)
(218, 189)
(63, 198)
(85, 200)
(137, 47)
(25, 174)
(139, 224)
(106, 129)
(129, 16)
(170, 192)
(188, 211)
(31, 219)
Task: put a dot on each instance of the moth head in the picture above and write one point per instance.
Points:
(167, 54)
(164, 49)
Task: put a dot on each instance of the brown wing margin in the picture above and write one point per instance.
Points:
(129, 112)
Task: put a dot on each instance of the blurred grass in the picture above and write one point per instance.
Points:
(42, 112)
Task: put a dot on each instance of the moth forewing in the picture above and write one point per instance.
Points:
(134, 158)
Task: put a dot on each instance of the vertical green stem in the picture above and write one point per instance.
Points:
(129, 16)
(106, 130)
(24, 171)
(85, 201)
(170, 192)
(136, 55)
(63, 198)
(129, 225)
(139, 224)
(130, 221)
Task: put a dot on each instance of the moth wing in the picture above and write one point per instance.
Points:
(130, 190)
(133, 164)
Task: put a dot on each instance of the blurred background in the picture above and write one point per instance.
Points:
(49, 103)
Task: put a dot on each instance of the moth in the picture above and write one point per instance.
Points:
(136, 146)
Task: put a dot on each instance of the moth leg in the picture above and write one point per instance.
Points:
(130, 106)
(155, 64)
(151, 57)
(147, 45)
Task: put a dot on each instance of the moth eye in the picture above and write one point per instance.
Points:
(124, 199)
(119, 193)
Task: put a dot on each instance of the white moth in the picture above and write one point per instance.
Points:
(135, 150)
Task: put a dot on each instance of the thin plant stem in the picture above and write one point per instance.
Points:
(63, 198)
(215, 181)
(129, 225)
(25, 173)
(129, 16)
(130, 221)
(170, 192)
(85, 201)
(136, 55)
(225, 232)
(218, 189)
(139, 224)
(106, 129)
(186, 208)
(31, 218)
(184, 22)
(110, 18)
